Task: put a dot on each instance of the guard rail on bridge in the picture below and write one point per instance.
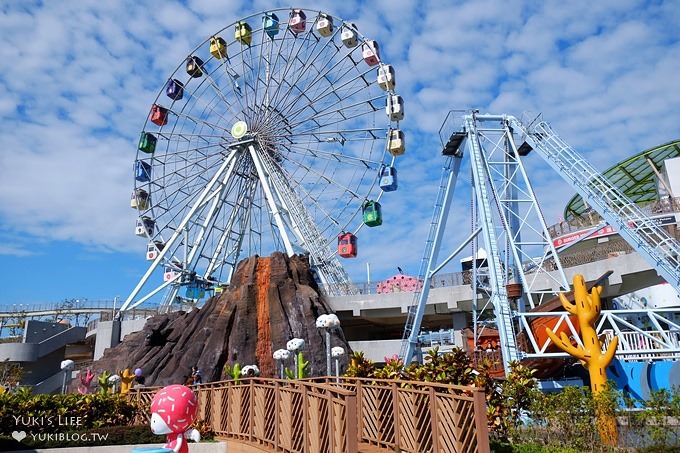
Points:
(350, 415)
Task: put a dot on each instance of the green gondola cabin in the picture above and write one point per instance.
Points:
(372, 213)
(347, 245)
(147, 143)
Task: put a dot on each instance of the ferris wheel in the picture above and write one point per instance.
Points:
(278, 132)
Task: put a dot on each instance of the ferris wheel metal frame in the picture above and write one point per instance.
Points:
(270, 141)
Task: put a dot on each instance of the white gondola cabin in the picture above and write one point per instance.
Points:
(140, 199)
(218, 47)
(172, 271)
(388, 179)
(270, 23)
(370, 52)
(324, 25)
(145, 226)
(395, 107)
(349, 35)
(386, 77)
(153, 249)
(243, 33)
(395, 142)
(158, 115)
(194, 67)
(297, 21)
(142, 171)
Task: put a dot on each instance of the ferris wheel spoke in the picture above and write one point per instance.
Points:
(335, 157)
(306, 64)
(345, 112)
(353, 85)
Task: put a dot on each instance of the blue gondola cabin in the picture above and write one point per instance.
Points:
(243, 33)
(174, 89)
(386, 77)
(142, 171)
(158, 115)
(395, 107)
(153, 249)
(297, 21)
(140, 199)
(145, 226)
(347, 245)
(270, 23)
(349, 35)
(372, 213)
(218, 47)
(147, 143)
(194, 291)
(194, 67)
(370, 53)
(324, 25)
(388, 179)
(395, 142)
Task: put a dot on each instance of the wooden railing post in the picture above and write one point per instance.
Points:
(277, 418)
(251, 402)
(482, 429)
(396, 415)
(352, 426)
(433, 420)
(359, 409)
(305, 420)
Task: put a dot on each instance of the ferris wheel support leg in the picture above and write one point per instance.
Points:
(270, 200)
(414, 328)
(210, 217)
(199, 203)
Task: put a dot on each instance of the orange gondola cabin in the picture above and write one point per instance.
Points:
(347, 245)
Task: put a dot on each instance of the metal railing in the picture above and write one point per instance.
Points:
(324, 415)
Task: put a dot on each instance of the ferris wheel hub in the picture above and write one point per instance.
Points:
(239, 129)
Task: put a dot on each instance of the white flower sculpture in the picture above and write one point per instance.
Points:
(295, 344)
(337, 351)
(114, 378)
(250, 371)
(281, 354)
(327, 321)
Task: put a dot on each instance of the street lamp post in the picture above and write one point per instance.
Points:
(326, 323)
(337, 352)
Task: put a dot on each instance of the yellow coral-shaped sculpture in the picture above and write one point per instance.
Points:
(126, 378)
(586, 308)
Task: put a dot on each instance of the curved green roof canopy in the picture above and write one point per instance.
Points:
(634, 176)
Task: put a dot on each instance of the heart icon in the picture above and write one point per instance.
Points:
(19, 435)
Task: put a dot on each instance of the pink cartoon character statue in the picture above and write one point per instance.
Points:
(173, 410)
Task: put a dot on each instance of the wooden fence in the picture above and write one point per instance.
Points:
(351, 415)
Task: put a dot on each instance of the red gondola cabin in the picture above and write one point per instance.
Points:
(159, 115)
(347, 245)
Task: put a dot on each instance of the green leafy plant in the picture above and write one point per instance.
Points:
(359, 365)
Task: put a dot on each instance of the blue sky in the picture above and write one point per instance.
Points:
(78, 79)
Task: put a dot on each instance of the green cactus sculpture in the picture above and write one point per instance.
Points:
(104, 384)
(234, 371)
(302, 366)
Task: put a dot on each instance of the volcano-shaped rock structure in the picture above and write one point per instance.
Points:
(271, 300)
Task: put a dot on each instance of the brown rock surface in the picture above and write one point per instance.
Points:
(271, 300)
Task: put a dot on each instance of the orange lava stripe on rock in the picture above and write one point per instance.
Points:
(263, 350)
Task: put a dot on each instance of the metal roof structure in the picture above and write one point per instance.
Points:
(636, 176)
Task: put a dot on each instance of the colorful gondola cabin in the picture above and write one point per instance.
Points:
(174, 89)
(158, 115)
(297, 21)
(218, 47)
(147, 143)
(347, 245)
(372, 213)
(388, 179)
